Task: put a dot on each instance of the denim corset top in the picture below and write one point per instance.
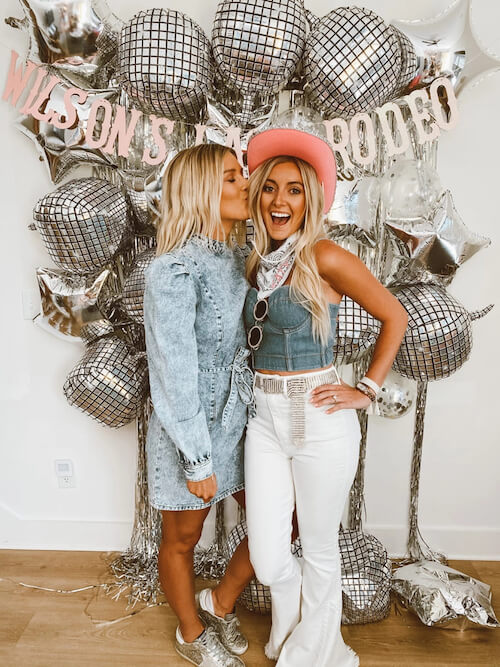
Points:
(288, 343)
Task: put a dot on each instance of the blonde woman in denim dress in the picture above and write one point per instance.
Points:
(200, 389)
(302, 446)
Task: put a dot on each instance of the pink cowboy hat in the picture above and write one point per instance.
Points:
(296, 143)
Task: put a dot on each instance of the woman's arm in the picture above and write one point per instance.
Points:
(169, 318)
(348, 275)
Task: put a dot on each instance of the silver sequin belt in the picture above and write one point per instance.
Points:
(295, 388)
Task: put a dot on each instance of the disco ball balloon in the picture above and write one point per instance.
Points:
(257, 44)
(438, 338)
(109, 382)
(410, 189)
(164, 63)
(82, 223)
(133, 289)
(357, 332)
(352, 62)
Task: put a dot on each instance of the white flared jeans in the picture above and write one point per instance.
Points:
(314, 477)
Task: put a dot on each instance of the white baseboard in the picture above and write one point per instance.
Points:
(18, 532)
(455, 542)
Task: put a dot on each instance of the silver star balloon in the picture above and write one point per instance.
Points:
(448, 46)
(72, 37)
(437, 245)
(70, 301)
(63, 150)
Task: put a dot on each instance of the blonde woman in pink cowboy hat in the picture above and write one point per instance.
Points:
(301, 448)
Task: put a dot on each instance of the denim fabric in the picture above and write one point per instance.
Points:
(288, 343)
(200, 381)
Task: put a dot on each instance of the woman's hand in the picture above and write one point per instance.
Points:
(204, 489)
(338, 397)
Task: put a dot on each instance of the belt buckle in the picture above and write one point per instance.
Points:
(295, 387)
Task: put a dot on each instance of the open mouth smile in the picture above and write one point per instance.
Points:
(280, 218)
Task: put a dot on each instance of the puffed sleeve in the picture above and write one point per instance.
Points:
(169, 317)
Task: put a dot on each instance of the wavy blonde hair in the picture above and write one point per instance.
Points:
(190, 199)
(305, 284)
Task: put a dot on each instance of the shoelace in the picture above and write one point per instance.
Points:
(214, 647)
(231, 629)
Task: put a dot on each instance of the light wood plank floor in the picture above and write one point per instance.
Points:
(44, 629)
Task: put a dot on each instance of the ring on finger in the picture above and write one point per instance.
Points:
(334, 398)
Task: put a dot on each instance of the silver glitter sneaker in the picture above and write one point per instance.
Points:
(226, 628)
(206, 651)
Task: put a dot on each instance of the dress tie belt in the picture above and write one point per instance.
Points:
(241, 384)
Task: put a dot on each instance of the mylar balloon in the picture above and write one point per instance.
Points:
(164, 63)
(82, 223)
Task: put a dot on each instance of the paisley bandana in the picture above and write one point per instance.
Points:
(275, 267)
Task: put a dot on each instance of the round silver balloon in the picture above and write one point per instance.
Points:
(133, 289)
(438, 339)
(409, 190)
(109, 382)
(352, 62)
(82, 223)
(164, 63)
(257, 44)
(396, 397)
(357, 332)
(366, 577)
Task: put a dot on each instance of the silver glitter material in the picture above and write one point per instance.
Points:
(136, 570)
(133, 289)
(409, 61)
(257, 44)
(352, 62)
(82, 223)
(438, 339)
(211, 563)
(366, 577)
(109, 382)
(165, 63)
(442, 596)
(357, 332)
(396, 397)
(69, 301)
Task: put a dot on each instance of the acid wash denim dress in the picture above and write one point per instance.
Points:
(200, 380)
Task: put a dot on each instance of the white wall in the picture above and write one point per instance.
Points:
(461, 458)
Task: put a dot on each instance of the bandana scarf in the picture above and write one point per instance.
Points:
(275, 267)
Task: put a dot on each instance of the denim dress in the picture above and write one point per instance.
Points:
(200, 380)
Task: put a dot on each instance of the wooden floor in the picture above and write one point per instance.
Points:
(46, 629)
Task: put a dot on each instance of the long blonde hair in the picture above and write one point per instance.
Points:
(190, 200)
(305, 284)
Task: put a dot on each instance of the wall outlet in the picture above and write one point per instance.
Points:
(64, 473)
(66, 482)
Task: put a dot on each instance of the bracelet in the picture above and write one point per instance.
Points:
(367, 391)
(370, 383)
